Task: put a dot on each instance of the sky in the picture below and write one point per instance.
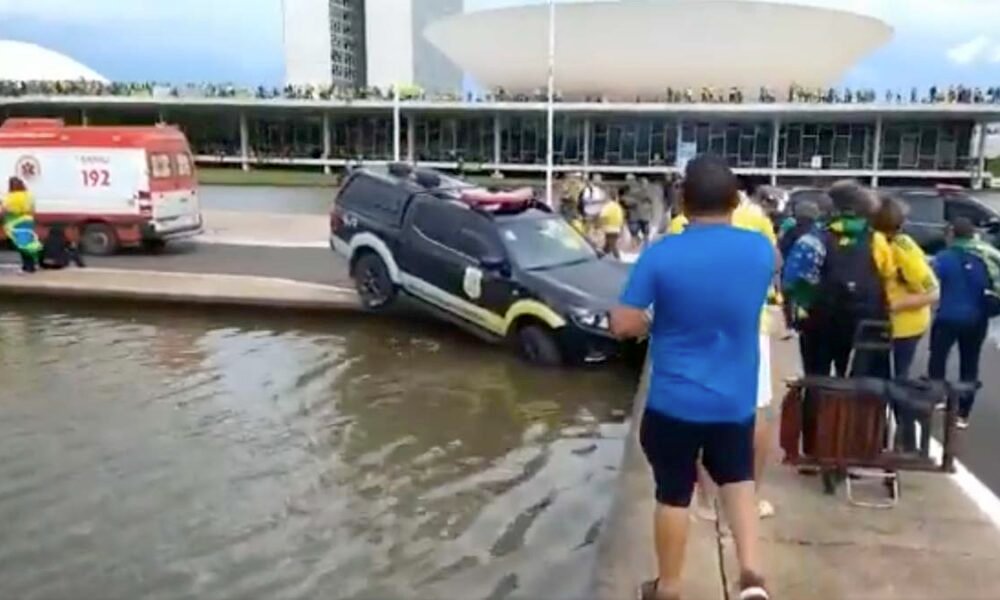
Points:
(240, 41)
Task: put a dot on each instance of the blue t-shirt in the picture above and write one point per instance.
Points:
(964, 280)
(706, 287)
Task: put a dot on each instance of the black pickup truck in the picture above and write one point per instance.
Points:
(497, 264)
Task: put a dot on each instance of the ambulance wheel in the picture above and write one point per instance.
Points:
(154, 246)
(371, 278)
(538, 346)
(99, 239)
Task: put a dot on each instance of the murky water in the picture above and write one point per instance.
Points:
(165, 455)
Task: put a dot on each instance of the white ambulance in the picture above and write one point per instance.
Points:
(111, 187)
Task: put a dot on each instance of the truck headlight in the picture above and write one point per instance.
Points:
(590, 318)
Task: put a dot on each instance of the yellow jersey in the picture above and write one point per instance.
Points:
(912, 275)
(612, 217)
(747, 216)
(18, 204)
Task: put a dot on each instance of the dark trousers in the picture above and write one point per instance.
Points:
(27, 261)
(903, 352)
(969, 338)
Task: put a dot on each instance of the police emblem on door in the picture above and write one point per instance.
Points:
(472, 283)
(28, 168)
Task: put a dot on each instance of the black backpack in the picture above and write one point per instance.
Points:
(850, 286)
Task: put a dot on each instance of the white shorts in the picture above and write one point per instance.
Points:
(764, 391)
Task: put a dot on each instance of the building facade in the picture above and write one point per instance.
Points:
(356, 43)
(783, 143)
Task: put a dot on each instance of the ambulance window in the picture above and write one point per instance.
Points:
(184, 165)
(160, 165)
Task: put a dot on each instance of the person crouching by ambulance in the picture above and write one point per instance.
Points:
(19, 223)
(612, 220)
(58, 251)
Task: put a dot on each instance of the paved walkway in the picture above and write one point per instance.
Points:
(187, 288)
(936, 544)
(265, 229)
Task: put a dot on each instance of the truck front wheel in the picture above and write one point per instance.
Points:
(371, 279)
(99, 239)
(538, 346)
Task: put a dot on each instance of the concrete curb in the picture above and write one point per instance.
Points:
(178, 288)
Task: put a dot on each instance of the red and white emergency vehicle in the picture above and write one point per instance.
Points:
(112, 187)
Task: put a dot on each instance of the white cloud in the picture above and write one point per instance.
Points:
(94, 11)
(971, 51)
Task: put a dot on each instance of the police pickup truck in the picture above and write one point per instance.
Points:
(497, 264)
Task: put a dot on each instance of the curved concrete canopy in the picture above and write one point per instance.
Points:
(640, 47)
(21, 61)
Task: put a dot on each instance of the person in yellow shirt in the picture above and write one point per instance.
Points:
(910, 294)
(612, 220)
(19, 223)
(751, 217)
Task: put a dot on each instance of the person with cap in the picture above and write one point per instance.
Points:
(969, 271)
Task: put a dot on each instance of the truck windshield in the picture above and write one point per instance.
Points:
(545, 243)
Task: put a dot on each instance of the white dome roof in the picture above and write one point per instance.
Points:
(641, 47)
(21, 61)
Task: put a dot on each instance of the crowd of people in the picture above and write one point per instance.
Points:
(837, 264)
(707, 94)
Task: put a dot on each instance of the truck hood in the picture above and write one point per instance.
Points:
(594, 285)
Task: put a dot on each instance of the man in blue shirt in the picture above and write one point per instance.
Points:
(706, 287)
(961, 317)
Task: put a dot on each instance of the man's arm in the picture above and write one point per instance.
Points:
(628, 322)
(630, 319)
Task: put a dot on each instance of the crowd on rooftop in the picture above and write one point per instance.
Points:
(954, 94)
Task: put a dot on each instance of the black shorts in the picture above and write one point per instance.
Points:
(673, 447)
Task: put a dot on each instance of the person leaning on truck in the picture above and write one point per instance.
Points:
(19, 223)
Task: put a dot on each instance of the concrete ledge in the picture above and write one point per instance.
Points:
(179, 288)
(935, 544)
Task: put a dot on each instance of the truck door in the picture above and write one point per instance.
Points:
(925, 223)
(439, 266)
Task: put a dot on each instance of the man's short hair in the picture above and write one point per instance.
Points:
(963, 227)
(709, 187)
(853, 199)
(890, 216)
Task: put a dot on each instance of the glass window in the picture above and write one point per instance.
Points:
(925, 207)
(439, 222)
(979, 215)
(160, 165)
(184, 165)
(544, 243)
(478, 238)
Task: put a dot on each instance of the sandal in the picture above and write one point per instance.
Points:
(752, 588)
(648, 591)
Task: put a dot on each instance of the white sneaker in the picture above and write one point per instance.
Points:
(765, 509)
(962, 424)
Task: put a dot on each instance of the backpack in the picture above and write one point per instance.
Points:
(850, 285)
(991, 301)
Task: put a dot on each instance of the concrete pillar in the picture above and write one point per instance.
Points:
(586, 142)
(411, 139)
(161, 117)
(981, 157)
(877, 151)
(327, 142)
(244, 142)
(497, 135)
(775, 147)
(84, 119)
(397, 129)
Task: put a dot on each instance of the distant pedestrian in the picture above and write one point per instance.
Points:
(19, 223)
(58, 251)
(612, 221)
(706, 288)
(967, 271)
(910, 294)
